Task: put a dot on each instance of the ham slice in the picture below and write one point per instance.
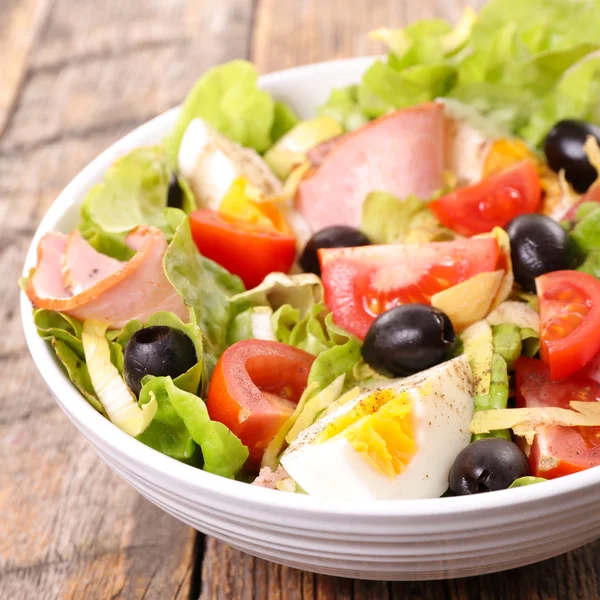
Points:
(401, 153)
(138, 289)
(46, 278)
(320, 152)
(82, 266)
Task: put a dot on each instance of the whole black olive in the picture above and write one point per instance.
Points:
(174, 193)
(407, 339)
(538, 245)
(338, 236)
(564, 150)
(160, 351)
(487, 465)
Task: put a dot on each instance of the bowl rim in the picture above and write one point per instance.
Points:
(158, 467)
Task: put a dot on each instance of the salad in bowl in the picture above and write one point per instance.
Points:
(398, 298)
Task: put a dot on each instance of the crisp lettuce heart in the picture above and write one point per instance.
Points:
(117, 400)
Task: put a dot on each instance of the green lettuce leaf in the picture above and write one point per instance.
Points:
(522, 481)
(506, 106)
(524, 65)
(586, 232)
(341, 359)
(507, 342)
(300, 291)
(343, 106)
(54, 325)
(314, 405)
(228, 97)
(204, 286)
(386, 219)
(133, 192)
(222, 451)
(64, 334)
(497, 397)
(166, 432)
(277, 444)
(573, 96)
(427, 41)
(111, 244)
(77, 371)
(530, 341)
(591, 264)
(383, 88)
(284, 119)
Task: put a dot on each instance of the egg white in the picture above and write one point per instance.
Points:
(211, 162)
(441, 408)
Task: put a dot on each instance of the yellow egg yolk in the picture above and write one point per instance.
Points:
(380, 429)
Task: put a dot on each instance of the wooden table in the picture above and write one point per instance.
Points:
(75, 75)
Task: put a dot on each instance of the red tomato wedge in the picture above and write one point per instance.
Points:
(492, 202)
(254, 388)
(570, 320)
(557, 451)
(245, 249)
(361, 283)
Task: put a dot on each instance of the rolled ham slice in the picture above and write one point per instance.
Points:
(47, 279)
(82, 266)
(138, 289)
(401, 153)
(320, 152)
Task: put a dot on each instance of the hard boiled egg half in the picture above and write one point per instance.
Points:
(398, 441)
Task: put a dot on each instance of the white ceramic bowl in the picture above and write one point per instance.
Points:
(397, 540)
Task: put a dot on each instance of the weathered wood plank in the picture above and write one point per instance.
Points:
(69, 527)
(20, 21)
(229, 574)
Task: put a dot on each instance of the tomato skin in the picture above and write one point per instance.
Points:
(557, 451)
(492, 202)
(243, 248)
(255, 388)
(570, 320)
(361, 283)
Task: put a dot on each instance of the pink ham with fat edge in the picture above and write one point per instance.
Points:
(138, 289)
(401, 153)
(82, 266)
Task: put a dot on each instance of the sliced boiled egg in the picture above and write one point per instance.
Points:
(211, 162)
(398, 441)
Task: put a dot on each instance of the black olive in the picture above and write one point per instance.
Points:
(564, 150)
(338, 236)
(407, 339)
(538, 245)
(174, 193)
(160, 351)
(487, 465)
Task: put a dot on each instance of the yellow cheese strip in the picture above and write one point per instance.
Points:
(523, 421)
(469, 301)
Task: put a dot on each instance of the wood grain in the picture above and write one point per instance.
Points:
(69, 528)
(20, 21)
